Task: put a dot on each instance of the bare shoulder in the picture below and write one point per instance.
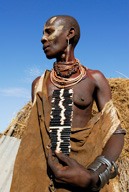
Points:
(97, 76)
(102, 93)
(33, 87)
(35, 81)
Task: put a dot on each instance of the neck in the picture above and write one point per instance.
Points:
(67, 56)
(66, 69)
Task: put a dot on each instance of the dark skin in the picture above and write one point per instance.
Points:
(94, 87)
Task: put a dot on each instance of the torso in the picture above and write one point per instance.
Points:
(82, 100)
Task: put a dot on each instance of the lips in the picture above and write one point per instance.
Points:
(45, 47)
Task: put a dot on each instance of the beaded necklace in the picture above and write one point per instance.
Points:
(71, 68)
(63, 82)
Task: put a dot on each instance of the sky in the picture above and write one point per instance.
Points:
(104, 44)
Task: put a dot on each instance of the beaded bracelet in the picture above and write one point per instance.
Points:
(106, 174)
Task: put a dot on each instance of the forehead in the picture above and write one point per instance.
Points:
(54, 22)
(52, 19)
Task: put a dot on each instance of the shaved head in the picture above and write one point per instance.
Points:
(68, 23)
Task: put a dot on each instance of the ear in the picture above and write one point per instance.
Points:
(71, 33)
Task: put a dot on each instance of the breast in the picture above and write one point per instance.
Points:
(81, 101)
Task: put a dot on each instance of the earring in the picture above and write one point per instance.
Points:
(68, 42)
(67, 53)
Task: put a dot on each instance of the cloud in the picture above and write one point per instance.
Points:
(15, 92)
(35, 71)
(32, 73)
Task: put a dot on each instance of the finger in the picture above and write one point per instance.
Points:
(61, 181)
(51, 162)
(57, 171)
(63, 157)
(50, 154)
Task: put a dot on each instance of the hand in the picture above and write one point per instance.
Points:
(72, 173)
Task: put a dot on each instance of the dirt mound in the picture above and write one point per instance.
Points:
(120, 97)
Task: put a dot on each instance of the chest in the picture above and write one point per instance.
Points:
(82, 93)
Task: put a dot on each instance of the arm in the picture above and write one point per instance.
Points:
(102, 94)
(115, 144)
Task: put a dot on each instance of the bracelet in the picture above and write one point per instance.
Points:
(105, 175)
(120, 131)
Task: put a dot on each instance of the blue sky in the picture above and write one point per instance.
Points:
(104, 44)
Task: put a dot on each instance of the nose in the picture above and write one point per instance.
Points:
(44, 39)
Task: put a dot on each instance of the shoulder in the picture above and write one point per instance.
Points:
(33, 87)
(97, 77)
(35, 81)
(102, 92)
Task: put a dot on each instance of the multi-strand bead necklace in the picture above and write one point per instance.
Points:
(61, 79)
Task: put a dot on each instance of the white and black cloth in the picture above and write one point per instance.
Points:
(61, 120)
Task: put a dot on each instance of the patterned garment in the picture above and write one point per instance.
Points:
(61, 119)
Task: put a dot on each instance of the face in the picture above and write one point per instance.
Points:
(54, 39)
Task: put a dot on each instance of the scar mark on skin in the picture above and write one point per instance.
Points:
(53, 19)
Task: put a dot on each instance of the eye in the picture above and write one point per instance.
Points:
(49, 31)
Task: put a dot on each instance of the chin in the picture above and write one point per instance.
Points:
(50, 56)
